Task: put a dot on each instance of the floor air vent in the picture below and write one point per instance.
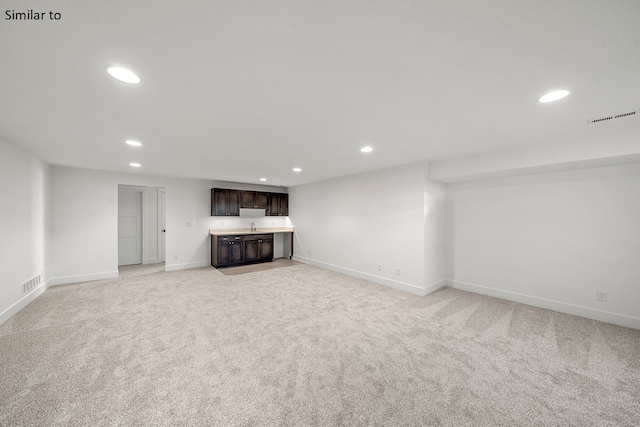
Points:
(30, 285)
(617, 116)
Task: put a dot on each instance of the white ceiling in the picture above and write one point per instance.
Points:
(237, 90)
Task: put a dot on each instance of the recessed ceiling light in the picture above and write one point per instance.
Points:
(263, 179)
(135, 165)
(297, 170)
(366, 149)
(553, 96)
(123, 74)
(133, 143)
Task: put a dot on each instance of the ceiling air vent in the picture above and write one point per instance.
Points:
(617, 116)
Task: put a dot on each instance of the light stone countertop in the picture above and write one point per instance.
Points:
(238, 231)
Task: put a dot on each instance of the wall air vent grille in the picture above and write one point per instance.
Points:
(617, 116)
(30, 285)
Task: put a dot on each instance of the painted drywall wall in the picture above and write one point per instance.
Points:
(84, 221)
(83, 225)
(551, 240)
(371, 225)
(434, 234)
(24, 199)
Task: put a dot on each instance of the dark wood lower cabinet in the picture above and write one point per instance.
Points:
(258, 248)
(241, 249)
(226, 250)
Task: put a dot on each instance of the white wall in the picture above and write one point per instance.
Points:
(434, 233)
(84, 242)
(355, 223)
(84, 221)
(551, 240)
(24, 197)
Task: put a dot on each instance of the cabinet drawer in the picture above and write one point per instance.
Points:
(229, 238)
(249, 237)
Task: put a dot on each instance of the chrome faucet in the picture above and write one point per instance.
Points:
(253, 228)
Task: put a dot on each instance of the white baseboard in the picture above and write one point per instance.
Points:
(23, 302)
(435, 286)
(187, 266)
(562, 307)
(407, 287)
(55, 281)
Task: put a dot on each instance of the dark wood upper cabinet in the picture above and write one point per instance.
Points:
(262, 200)
(279, 204)
(225, 202)
(254, 199)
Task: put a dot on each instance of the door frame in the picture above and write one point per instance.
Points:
(160, 212)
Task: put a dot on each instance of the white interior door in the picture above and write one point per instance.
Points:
(161, 224)
(129, 227)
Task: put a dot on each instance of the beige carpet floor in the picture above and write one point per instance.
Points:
(302, 346)
(252, 268)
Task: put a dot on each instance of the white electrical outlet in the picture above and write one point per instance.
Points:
(175, 257)
(379, 267)
(398, 271)
(188, 223)
(601, 296)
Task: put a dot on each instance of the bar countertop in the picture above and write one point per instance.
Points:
(240, 231)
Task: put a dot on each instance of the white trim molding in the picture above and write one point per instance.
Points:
(402, 286)
(562, 307)
(187, 266)
(23, 302)
(55, 281)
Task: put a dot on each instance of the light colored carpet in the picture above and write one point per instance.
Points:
(252, 268)
(304, 346)
(129, 271)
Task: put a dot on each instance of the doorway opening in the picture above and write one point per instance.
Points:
(141, 225)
